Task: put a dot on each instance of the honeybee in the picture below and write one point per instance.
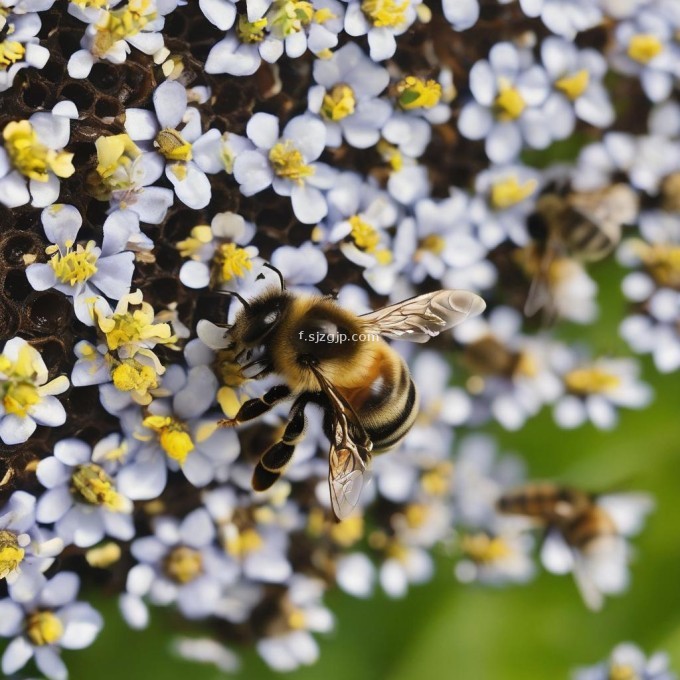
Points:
(585, 226)
(585, 533)
(329, 356)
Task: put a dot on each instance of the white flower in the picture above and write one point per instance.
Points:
(628, 660)
(81, 498)
(577, 77)
(178, 564)
(646, 48)
(20, 46)
(287, 163)
(125, 177)
(52, 621)
(646, 160)
(443, 244)
(176, 134)
(511, 373)
(222, 247)
(509, 110)
(111, 32)
(294, 646)
(269, 29)
(303, 266)
(461, 14)
(33, 159)
(27, 397)
(206, 650)
(346, 97)
(381, 22)
(496, 559)
(255, 537)
(26, 552)
(176, 433)
(83, 272)
(594, 390)
(564, 17)
(505, 197)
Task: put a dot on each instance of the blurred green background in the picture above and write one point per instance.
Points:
(446, 630)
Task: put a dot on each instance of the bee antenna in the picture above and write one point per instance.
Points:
(239, 297)
(278, 272)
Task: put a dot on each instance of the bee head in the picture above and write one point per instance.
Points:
(259, 318)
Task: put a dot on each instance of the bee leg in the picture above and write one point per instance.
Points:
(254, 408)
(277, 456)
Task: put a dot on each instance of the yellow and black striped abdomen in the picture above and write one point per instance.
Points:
(388, 407)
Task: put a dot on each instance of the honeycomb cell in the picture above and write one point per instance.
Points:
(16, 286)
(105, 77)
(9, 322)
(15, 245)
(80, 94)
(36, 95)
(54, 353)
(107, 107)
(49, 310)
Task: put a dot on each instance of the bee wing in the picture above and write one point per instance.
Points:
(540, 296)
(420, 318)
(591, 594)
(347, 474)
(347, 460)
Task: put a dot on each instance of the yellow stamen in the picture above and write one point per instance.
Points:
(290, 16)
(172, 146)
(385, 12)
(433, 243)
(347, 532)
(18, 388)
(289, 163)
(622, 672)
(437, 482)
(183, 564)
(241, 543)
(131, 376)
(44, 628)
(391, 154)
(297, 619)
(364, 235)
(574, 85)
(104, 556)
(10, 53)
(250, 31)
(509, 103)
(122, 23)
(321, 16)
(338, 103)
(74, 266)
(509, 192)
(172, 436)
(11, 555)
(644, 47)
(233, 261)
(416, 515)
(593, 380)
(485, 549)
(191, 247)
(416, 93)
(662, 261)
(116, 163)
(32, 158)
(91, 485)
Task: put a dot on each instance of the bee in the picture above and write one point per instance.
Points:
(331, 357)
(585, 533)
(585, 226)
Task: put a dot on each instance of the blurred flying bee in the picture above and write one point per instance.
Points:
(585, 534)
(585, 226)
(331, 357)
